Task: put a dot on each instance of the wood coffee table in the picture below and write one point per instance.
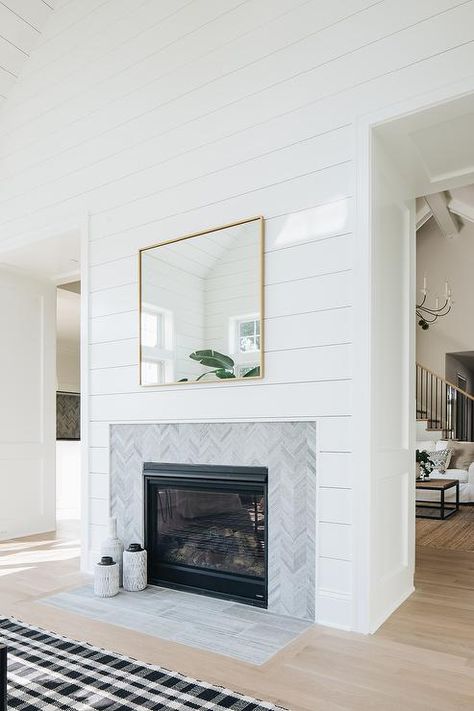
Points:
(440, 510)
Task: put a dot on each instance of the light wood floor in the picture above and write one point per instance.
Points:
(422, 658)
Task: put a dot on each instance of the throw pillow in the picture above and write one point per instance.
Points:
(441, 459)
(462, 455)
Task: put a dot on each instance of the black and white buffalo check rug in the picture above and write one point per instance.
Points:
(47, 672)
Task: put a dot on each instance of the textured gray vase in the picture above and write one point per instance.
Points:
(134, 568)
(106, 577)
(113, 547)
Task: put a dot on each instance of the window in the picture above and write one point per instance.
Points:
(249, 335)
(152, 329)
(152, 371)
(157, 361)
(244, 343)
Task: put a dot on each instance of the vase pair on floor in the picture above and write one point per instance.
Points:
(119, 568)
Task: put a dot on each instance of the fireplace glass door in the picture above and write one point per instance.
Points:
(208, 533)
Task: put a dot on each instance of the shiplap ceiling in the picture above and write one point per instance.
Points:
(21, 24)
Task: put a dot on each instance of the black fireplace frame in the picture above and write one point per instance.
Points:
(241, 588)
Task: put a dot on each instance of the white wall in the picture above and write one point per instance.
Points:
(27, 404)
(68, 336)
(163, 118)
(68, 372)
(68, 366)
(444, 259)
(68, 480)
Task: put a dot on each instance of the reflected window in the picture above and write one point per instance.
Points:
(152, 371)
(249, 335)
(244, 343)
(152, 329)
(157, 362)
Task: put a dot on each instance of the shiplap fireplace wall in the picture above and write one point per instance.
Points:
(162, 118)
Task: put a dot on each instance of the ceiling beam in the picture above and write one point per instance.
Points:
(461, 209)
(423, 213)
(446, 222)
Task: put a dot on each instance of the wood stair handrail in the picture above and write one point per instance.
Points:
(446, 382)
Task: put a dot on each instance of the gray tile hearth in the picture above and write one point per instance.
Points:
(288, 449)
(245, 633)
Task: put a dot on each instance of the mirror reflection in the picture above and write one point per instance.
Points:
(201, 306)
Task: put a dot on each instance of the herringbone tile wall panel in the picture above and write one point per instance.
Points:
(288, 449)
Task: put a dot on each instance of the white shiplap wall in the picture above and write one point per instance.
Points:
(164, 118)
(21, 24)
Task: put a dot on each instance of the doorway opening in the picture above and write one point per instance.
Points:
(426, 153)
(68, 402)
(445, 374)
(42, 305)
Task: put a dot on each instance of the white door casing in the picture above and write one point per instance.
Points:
(394, 165)
(392, 511)
(27, 405)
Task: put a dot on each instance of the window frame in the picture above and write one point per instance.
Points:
(243, 359)
(163, 354)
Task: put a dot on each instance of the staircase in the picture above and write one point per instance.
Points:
(447, 409)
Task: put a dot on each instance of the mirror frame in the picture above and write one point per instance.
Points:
(259, 219)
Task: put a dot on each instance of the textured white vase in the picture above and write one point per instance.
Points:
(106, 577)
(134, 568)
(113, 547)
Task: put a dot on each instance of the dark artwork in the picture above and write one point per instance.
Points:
(68, 416)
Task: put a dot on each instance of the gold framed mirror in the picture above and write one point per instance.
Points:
(201, 306)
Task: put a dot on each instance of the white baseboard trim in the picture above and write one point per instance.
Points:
(331, 624)
(334, 609)
(392, 609)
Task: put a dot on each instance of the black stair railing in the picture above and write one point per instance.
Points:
(446, 407)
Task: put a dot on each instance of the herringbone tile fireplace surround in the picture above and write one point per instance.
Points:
(287, 449)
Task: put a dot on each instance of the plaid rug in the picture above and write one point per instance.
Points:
(47, 672)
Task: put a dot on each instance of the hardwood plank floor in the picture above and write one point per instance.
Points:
(422, 657)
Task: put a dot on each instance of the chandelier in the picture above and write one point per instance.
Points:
(428, 315)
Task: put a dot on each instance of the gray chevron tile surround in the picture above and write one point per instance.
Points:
(288, 449)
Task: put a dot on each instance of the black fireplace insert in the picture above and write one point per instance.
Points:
(206, 529)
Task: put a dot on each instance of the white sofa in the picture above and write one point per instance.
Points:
(465, 476)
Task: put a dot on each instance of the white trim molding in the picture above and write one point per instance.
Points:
(363, 620)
